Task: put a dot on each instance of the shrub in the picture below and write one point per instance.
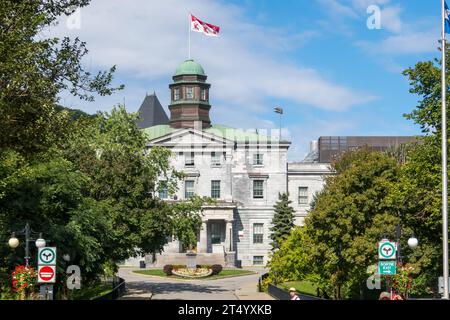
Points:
(168, 269)
(216, 269)
(205, 266)
(178, 266)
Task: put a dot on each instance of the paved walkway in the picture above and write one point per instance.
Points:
(233, 288)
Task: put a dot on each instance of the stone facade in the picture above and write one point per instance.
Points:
(243, 170)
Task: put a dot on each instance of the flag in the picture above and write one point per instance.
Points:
(447, 18)
(208, 29)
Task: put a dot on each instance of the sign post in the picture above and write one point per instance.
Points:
(47, 271)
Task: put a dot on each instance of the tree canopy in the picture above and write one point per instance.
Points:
(87, 182)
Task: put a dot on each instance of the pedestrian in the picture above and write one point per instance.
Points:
(397, 297)
(385, 296)
(293, 294)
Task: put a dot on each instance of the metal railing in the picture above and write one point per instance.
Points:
(281, 294)
(118, 289)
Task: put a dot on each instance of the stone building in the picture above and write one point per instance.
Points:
(243, 170)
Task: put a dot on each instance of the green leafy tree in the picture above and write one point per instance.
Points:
(35, 69)
(87, 182)
(283, 220)
(339, 239)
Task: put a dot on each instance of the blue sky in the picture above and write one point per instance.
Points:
(315, 58)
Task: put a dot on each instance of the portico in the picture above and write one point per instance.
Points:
(216, 234)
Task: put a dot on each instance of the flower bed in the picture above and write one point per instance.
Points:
(192, 273)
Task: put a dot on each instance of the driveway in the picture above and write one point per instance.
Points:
(233, 288)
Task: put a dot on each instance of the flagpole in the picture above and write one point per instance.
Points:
(189, 31)
(444, 164)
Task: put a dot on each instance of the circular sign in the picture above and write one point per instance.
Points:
(46, 273)
(47, 255)
(387, 250)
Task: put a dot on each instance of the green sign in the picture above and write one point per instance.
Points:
(386, 250)
(387, 268)
(47, 256)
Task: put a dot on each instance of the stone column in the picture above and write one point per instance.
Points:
(228, 236)
(203, 241)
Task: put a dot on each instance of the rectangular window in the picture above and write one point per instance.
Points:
(303, 195)
(163, 191)
(258, 260)
(189, 189)
(203, 95)
(215, 159)
(215, 189)
(189, 93)
(176, 94)
(258, 232)
(258, 159)
(189, 159)
(258, 189)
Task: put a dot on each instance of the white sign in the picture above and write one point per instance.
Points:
(46, 274)
(441, 284)
(47, 256)
(387, 250)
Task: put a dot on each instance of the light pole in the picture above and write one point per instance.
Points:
(27, 232)
(412, 243)
(279, 110)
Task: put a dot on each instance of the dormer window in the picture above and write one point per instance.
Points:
(176, 94)
(189, 93)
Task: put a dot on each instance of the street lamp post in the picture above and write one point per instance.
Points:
(27, 232)
(279, 110)
(412, 243)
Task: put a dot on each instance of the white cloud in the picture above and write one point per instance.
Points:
(357, 10)
(401, 44)
(147, 41)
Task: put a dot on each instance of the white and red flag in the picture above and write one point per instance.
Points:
(208, 29)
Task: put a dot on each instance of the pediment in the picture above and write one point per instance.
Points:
(190, 137)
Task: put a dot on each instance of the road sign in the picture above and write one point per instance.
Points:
(47, 256)
(387, 268)
(46, 274)
(441, 284)
(387, 250)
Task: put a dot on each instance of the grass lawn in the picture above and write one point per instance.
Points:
(94, 291)
(304, 287)
(225, 273)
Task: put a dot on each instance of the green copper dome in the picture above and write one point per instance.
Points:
(189, 67)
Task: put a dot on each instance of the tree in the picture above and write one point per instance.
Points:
(95, 198)
(291, 261)
(87, 182)
(425, 81)
(35, 69)
(339, 239)
(283, 220)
